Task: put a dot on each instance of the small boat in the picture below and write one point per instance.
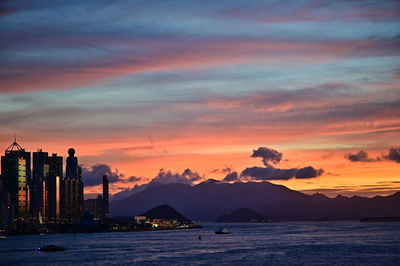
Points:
(50, 248)
(222, 230)
(3, 237)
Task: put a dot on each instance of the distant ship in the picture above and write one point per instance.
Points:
(222, 230)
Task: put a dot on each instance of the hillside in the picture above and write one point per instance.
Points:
(165, 212)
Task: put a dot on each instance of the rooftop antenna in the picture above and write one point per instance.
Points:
(14, 146)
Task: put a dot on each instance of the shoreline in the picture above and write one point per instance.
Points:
(99, 231)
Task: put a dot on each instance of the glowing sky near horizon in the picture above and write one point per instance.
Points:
(145, 85)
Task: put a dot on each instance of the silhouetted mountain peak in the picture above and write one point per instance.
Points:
(319, 196)
(211, 182)
(341, 197)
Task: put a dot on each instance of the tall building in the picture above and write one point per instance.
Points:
(45, 196)
(105, 197)
(15, 174)
(72, 189)
(40, 172)
(72, 165)
(55, 164)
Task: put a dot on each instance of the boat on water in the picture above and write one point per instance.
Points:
(50, 248)
(222, 230)
(3, 237)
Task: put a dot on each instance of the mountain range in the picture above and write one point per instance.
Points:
(210, 199)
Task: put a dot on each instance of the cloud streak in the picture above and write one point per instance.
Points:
(173, 56)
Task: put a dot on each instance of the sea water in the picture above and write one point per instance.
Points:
(282, 243)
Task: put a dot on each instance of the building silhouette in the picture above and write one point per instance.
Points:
(15, 175)
(72, 165)
(47, 197)
(72, 189)
(55, 164)
(105, 197)
(40, 171)
(47, 173)
(99, 207)
(5, 207)
(95, 207)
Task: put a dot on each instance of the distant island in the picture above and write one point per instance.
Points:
(245, 215)
(166, 213)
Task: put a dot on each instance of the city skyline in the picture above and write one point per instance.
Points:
(36, 195)
(194, 88)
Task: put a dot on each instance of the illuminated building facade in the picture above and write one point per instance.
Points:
(55, 164)
(15, 174)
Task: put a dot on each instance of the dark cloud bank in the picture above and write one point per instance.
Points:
(163, 177)
(268, 155)
(271, 173)
(362, 156)
(93, 176)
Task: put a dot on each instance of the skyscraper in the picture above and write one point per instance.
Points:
(105, 197)
(72, 165)
(72, 190)
(55, 164)
(45, 195)
(40, 172)
(15, 174)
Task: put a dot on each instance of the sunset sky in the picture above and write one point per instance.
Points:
(140, 86)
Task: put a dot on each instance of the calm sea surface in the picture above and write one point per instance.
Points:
(293, 243)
